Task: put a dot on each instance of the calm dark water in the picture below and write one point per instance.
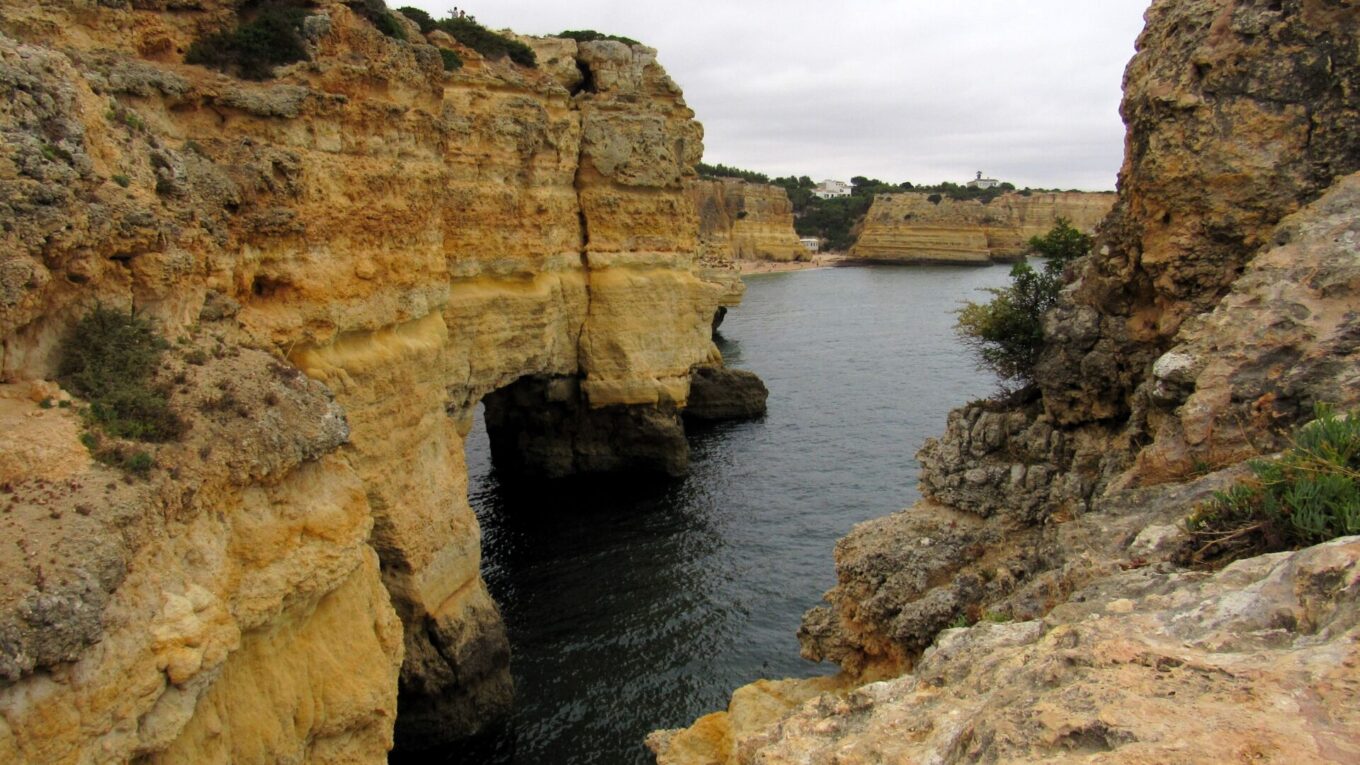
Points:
(635, 606)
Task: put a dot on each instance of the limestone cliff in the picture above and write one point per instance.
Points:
(752, 221)
(1218, 307)
(411, 239)
(909, 228)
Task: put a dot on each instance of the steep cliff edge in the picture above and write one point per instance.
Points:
(909, 228)
(1217, 309)
(753, 221)
(414, 240)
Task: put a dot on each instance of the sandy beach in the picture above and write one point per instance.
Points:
(820, 260)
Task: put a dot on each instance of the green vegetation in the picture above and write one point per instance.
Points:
(1007, 332)
(477, 37)
(53, 153)
(1310, 494)
(723, 171)
(452, 60)
(422, 19)
(110, 359)
(122, 180)
(831, 220)
(590, 35)
(272, 37)
(960, 622)
(377, 14)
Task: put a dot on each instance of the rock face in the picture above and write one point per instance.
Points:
(413, 241)
(751, 221)
(1257, 661)
(1218, 309)
(909, 228)
(719, 393)
(1237, 116)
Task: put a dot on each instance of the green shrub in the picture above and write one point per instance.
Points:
(110, 359)
(1007, 333)
(122, 180)
(1308, 495)
(252, 50)
(590, 35)
(452, 60)
(377, 14)
(486, 42)
(422, 19)
(934, 199)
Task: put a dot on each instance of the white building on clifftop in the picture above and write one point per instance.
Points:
(829, 189)
(983, 183)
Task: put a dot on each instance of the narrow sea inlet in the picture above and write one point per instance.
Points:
(640, 605)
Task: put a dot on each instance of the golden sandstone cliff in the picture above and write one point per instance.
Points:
(346, 259)
(1218, 308)
(751, 221)
(910, 228)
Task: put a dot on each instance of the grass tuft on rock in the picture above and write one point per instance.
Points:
(110, 359)
(1307, 495)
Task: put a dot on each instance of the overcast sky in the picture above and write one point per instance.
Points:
(901, 90)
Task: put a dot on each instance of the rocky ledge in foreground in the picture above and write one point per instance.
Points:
(1257, 662)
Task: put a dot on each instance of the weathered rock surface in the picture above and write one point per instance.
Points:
(909, 228)
(1284, 339)
(1258, 661)
(1238, 114)
(412, 240)
(719, 393)
(209, 613)
(752, 221)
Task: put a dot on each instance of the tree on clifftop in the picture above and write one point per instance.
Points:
(1007, 333)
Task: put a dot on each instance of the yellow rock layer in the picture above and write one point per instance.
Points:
(414, 239)
(909, 228)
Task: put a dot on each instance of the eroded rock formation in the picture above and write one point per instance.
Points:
(410, 239)
(909, 228)
(745, 221)
(1218, 308)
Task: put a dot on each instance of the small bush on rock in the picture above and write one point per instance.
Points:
(486, 42)
(1308, 495)
(110, 359)
(590, 35)
(1007, 333)
(451, 59)
(273, 37)
(422, 19)
(377, 14)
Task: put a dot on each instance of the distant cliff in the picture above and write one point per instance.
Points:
(753, 221)
(910, 228)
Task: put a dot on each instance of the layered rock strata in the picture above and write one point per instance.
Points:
(1216, 311)
(410, 239)
(745, 221)
(910, 228)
